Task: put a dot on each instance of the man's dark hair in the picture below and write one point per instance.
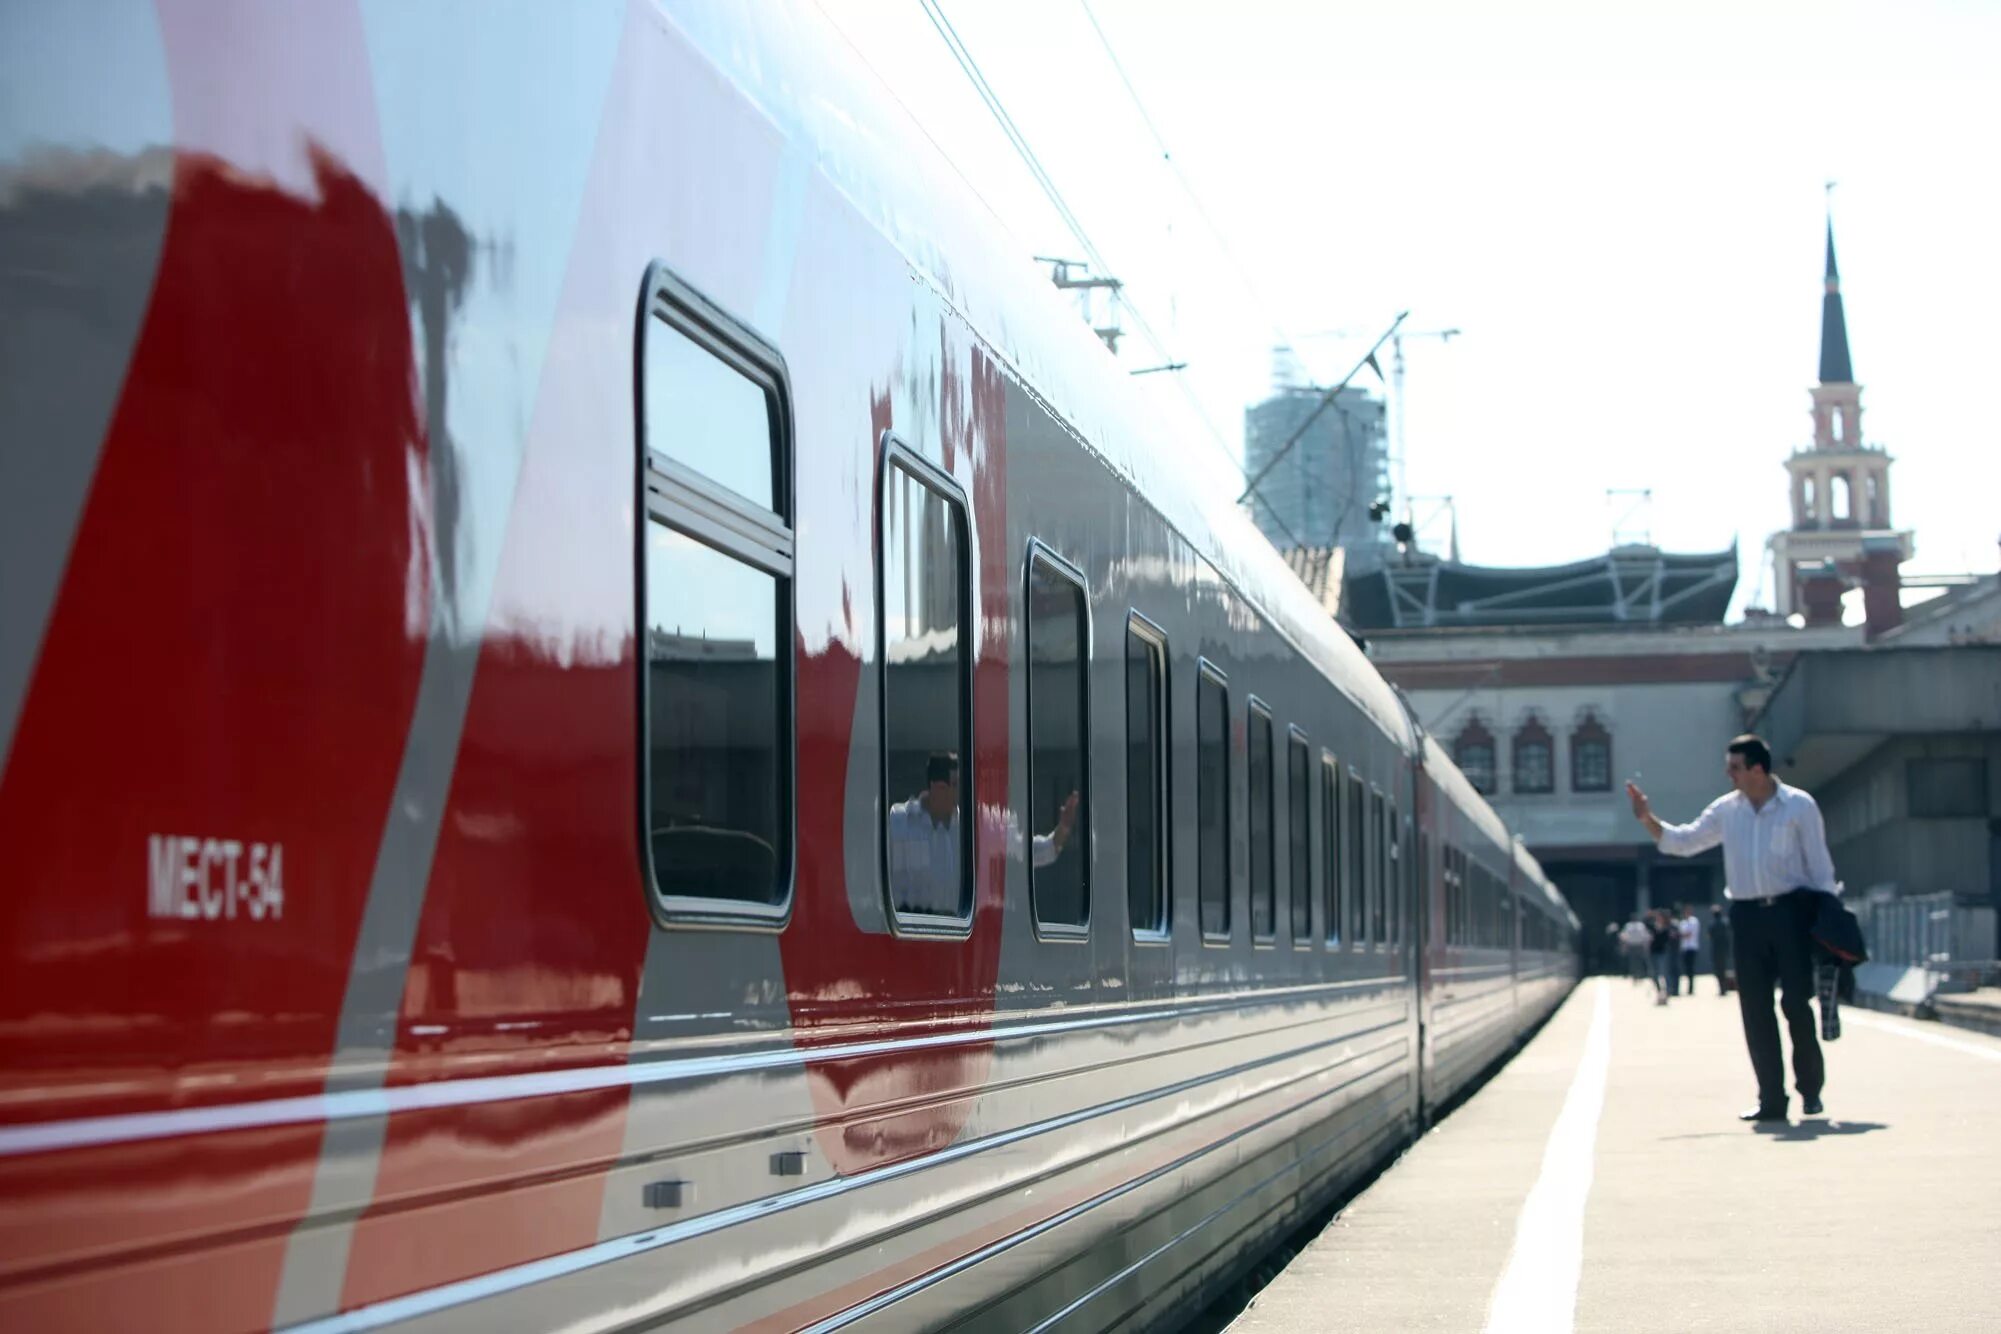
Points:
(1754, 750)
(942, 767)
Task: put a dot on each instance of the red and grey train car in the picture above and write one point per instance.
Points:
(558, 578)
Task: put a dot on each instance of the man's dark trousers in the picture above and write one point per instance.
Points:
(1770, 942)
(1688, 969)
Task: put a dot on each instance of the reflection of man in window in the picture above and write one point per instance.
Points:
(924, 862)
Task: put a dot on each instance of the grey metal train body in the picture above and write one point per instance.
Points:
(902, 849)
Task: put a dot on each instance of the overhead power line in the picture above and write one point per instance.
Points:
(1326, 400)
(1243, 273)
(971, 68)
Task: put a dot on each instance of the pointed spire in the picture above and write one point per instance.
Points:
(1834, 363)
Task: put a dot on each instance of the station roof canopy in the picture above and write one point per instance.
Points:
(1832, 708)
(1630, 585)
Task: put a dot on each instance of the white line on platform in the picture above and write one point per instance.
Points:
(1909, 1030)
(1537, 1293)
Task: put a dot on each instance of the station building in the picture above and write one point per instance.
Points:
(1558, 685)
(1553, 686)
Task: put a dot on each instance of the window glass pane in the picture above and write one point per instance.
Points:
(1299, 832)
(1330, 851)
(1532, 767)
(1146, 771)
(1591, 766)
(1059, 841)
(1393, 885)
(1212, 803)
(1264, 907)
(1379, 879)
(1354, 834)
(715, 699)
(924, 713)
(1476, 761)
(700, 411)
(1424, 885)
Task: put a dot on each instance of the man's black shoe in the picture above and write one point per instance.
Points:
(1763, 1113)
(1811, 1106)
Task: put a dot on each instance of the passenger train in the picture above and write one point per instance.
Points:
(612, 717)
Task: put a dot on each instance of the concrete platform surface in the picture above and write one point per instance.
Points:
(1602, 1182)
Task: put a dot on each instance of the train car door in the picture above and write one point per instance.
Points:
(1424, 881)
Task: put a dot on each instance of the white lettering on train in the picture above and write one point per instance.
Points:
(193, 879)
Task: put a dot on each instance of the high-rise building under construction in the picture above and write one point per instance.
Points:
(1319, 492)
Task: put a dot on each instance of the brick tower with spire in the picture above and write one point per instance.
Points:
(1841, 536)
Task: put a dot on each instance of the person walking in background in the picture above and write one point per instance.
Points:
(1691, 943)
(1719, 948)
(1776, 861)
(1633, 939)
(1661, 952)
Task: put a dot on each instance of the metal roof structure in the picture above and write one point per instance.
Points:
(1626, 586)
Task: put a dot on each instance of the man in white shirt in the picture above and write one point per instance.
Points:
(1691, 944)
(1775, 859)
(926, 870)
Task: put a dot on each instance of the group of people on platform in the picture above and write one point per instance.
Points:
(1665, 944)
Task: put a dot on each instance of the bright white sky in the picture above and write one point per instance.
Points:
(1619, 205)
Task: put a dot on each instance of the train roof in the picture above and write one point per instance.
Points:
(1460, 791)
(831, 105)
(1532, 872)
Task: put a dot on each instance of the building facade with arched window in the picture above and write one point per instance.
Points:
(1550, 723)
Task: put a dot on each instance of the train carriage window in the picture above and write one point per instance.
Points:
(1379, 866)
(926, 695)
(1393, 907)
(1429, 935)
(1332, 922)
(1455, 896)
(1258, 757)
(1146, 777)
(1299, 834)
(1474, 890)
(714, 595)
(1212, 800)
(1059, 809)
(1354, 832)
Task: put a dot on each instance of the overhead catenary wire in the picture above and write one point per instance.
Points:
(971, 68)
(1326, 400)
(1285, 340)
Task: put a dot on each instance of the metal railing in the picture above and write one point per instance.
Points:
(1951, 940)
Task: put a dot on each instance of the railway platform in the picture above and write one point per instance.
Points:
(1602, 1182)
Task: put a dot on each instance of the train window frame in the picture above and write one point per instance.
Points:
(1208, 672)
(898, 456)
(1258, 720)
(1299, 809)
(1394, 892)
(1153, 640)
(1332, 868)
(680, 498)
(1040, 552)
(1379, 869)
(1428, 936)
(1355, 838)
